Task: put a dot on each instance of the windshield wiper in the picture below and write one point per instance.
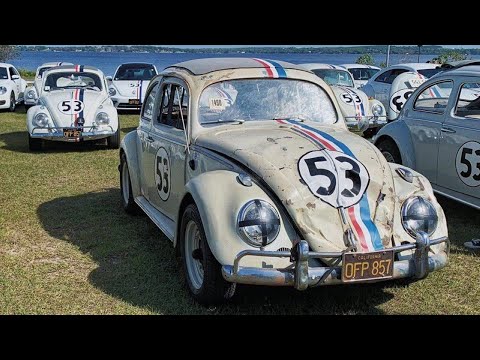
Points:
(240, 121)
(299, 117)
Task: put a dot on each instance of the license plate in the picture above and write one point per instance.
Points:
(367, 266)
(72, 133)
(133, 101)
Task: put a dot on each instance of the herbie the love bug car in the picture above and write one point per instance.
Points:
(32, 91)
(247, 166)
(359, 112)
(73, 106)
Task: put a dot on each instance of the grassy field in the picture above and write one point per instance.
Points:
(67, 247)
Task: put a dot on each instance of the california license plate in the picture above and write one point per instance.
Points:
(72, 133)
(367, 266)
(133, 101)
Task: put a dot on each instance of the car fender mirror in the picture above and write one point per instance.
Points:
(46, 88)
(15, 77)
(108, 78)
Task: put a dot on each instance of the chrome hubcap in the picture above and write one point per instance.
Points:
(193, 260)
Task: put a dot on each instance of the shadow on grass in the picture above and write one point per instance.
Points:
(137, 264)
(128, 129)
(18, 141)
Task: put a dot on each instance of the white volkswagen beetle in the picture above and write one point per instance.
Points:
(360, 112)
(32, 91)
(73, 106)
(12, 87)
(250, 193)
(128, 85)
(361, 73)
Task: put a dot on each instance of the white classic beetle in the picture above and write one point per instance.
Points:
(12, 87)
(73, 106)
(128, 85)
(32, 91)
(250, 192)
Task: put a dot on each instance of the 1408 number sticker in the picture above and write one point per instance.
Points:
(162, 173)
(468, 163)
(334, 177)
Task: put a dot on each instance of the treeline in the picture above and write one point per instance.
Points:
(371, 49)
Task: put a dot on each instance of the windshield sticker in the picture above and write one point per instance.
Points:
(217, 104)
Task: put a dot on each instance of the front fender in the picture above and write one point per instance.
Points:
(129, 147)
(219, 210)
(398, 132)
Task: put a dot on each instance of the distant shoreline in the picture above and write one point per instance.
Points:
(370, 49)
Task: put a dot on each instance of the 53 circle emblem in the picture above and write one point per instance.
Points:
(467, 163)
(334, 177)
(71, 107)
(162, 173)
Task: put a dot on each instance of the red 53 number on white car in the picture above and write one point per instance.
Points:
(334, 177)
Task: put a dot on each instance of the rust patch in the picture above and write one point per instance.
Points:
(311, 206)
(288, 201)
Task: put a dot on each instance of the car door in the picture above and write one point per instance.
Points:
(167, 153)
(459, 151)
(15, 77)
(145, 140)
(424, 120)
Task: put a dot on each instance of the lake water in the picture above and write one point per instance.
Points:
(108, 61)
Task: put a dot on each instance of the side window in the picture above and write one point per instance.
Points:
(384, 76)
(434, 98)
(468, 102)
(11, 70)
(147, 111)
(394, 75)
(174, 106)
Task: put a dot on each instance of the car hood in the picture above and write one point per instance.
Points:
(134, 89)
(352, 101)
(91, 101)
(273, 152)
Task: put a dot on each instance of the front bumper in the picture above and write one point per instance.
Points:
(302, 276)
(56, 133)
(30, 101)
(373, 121)
(122, 103)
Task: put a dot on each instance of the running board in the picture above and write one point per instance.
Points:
(166, 225)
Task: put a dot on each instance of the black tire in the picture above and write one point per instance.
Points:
(12, 102)
(214, 289)
(128, 203)
(34, 144)
(390, 151)
(113, 142)
(26, 107)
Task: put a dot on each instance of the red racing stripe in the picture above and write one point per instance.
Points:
(358, 229)
(266, 66)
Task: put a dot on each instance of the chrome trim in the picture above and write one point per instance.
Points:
(405, 174)
(301, 276)
(404, 210)
(453, 197)
(58, 134)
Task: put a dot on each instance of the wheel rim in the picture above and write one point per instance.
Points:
(390, 158)
(125, 183)
(12, 102)
(194, 266)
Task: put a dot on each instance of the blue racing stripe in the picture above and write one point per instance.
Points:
(435, 91)
(280, 70)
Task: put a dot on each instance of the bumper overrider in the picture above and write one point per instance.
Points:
(423, 261)
(87, 133)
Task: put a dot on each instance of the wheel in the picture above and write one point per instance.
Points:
(128, 203)
(390, 151)
(202, 271)
(12, 102)
(113, 142)
(34, 144)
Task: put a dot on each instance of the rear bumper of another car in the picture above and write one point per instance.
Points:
(301, 275)
(353, 122)
(88, 133)
(123, 103)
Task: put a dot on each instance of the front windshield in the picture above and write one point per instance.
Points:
(3, 73)
(363, 73)
(72, 80)
(265, 99)
(335, 77)
(428, 73)
(135, 72)
(42, 70)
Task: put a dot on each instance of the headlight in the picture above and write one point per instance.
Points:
(3, 90)
(258, 223)
(102, 118)
(112, 91)
(377, 110)
(419, 214)
(31, 94)
(40, 120)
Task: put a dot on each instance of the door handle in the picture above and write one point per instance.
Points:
(150, 139)
(448, 130)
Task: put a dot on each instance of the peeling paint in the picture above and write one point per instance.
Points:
(311, 206)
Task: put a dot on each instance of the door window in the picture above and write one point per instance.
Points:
(434, 98)
(174, 106)
(12, 72)
(468, 102)
(148, 106)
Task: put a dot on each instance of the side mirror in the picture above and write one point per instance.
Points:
(109, 78)
(46, 88)
(15, 77)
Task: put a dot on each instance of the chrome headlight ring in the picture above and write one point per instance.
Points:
(258, 223)
(419, 215)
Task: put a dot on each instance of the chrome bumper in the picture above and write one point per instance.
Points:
(301, 276)
(56, 133)
(374, 121)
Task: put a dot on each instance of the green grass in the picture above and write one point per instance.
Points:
(27, 74)
(67, 247)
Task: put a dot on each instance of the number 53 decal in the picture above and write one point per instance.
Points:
(334, 177)
(162, 173)
(70, 107)
(468, 163)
